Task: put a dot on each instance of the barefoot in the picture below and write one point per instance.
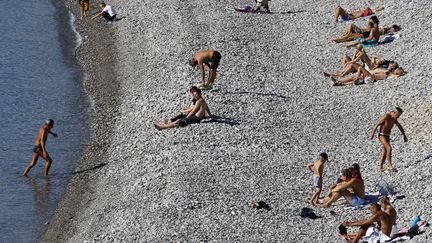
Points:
(381, 169)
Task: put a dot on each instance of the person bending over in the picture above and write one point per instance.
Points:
(194, 116)
(378, 216)
(107, 12)
(40, 148)
(209, 58)
(386, 124)
(344, 15)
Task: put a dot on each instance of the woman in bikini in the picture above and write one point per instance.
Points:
(344, 15)
(350, 65)
(363, 76)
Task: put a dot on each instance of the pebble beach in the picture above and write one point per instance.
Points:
(274, 110)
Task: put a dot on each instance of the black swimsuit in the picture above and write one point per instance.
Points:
(214, 62)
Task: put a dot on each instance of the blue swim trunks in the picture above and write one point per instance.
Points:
(367, 43)
(357, 201)
(345, 18)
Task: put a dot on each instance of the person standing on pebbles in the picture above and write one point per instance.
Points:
(84, 7)
(209, 58)
(386, 123)
(195, 115)
(107, 12)
(40, 149)
(317, 169)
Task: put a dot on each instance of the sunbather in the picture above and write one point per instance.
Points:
(368, 39)
(350, 65)
(381, 218)
(353, 32)
(344, 15)
(354, 197)
(363, 76)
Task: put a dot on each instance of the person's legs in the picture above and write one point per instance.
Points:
(360, 233)
(212, 77)
(340, 12)
(347, 37)
(48, 162)
(32, 163)
(166, 126)
(334, 196)
(315, 196)
(385, 141)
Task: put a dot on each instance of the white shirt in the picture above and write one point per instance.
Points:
(109, 10)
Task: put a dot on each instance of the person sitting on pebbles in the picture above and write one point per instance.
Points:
(363, 76)
(352, 189)
(107, 12)
(350, 65)
(193, 116)
(367, 226)
(211, 59)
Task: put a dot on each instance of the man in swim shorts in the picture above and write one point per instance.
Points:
(386, 124)
(317, 168)
(107, 12)
(84, 7)
(209, 58)
(194, 116)
(370, 38)
(352, 189)
(40, 149)
(378, 216)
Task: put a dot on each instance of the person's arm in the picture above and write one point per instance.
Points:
(309, 166)
(42, 143)
(365, 222)
(402, 131)
(97, 15)
(208, 112)
(53, 133)
(342, 186)
(379, 123)
(198, 105)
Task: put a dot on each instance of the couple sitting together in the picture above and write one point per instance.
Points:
(350, 186)
(371, 70)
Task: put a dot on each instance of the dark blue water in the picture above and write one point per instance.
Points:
(38, 80)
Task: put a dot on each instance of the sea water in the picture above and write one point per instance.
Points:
(38, 80)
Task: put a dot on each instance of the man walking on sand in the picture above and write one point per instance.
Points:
(386, 123)
(317, 169)
(40, 148)
(209, 58)
(194, 116)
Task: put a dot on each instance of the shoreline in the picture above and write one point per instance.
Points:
(100, 87)
(195, 184)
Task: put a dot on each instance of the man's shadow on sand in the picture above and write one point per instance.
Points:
(257, 93)
(223, 120)
(288, 12)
